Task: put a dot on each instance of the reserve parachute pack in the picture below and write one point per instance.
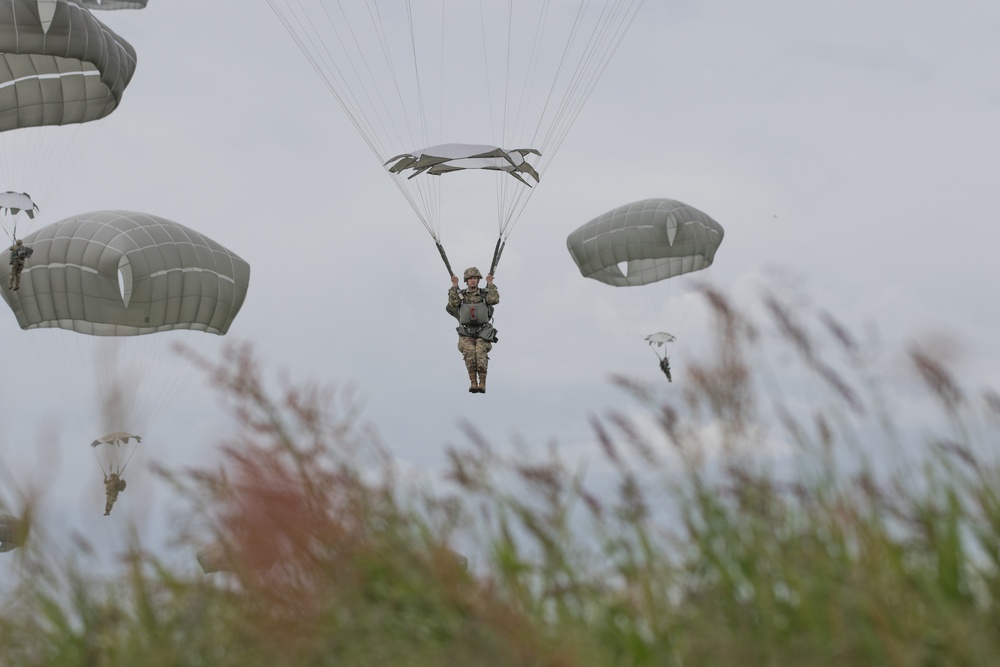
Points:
(474, 320)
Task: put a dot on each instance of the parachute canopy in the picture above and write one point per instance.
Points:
(114, 451)
(645, 242)
(122, 273)
(660, 339)
(13, 532)
(58, 64)
(15, 202)
(113, 4)
(454, 157)
(116, 439)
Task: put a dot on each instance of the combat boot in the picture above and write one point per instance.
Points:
(474, 383)
(482, 382)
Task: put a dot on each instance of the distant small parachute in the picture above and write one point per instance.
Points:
(115, 450)
(660, 339)
(640, 249)
(13, 532)
(12, 203)
(113, 4)
(117, 439)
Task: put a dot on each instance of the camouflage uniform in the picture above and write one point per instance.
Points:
(474, 340)
(18, 254)
(665, 367)
(112, 487)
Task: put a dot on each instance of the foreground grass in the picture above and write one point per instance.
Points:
(700, 551)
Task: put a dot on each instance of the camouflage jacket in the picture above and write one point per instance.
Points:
(22, 253)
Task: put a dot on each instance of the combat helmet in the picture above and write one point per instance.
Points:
(471, 272)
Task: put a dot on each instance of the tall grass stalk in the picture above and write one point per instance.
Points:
(730, 524)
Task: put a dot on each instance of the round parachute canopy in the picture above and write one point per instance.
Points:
(660, 338)
(13, 203)
(58, 64)
(13, 532)
(115, 450)
(121, 273)
(506, 77)
(640, 249)
(645, 242)
(114, 4)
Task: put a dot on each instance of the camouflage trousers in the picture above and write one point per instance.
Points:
(15, 274)
(475, 351)
(109, 502)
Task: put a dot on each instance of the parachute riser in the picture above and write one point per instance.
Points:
(444, 258)
(497, 251)
(100, 463)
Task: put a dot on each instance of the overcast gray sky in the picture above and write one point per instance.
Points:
(850, 147)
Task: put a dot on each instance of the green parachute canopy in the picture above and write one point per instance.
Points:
(58, 64)
(645, 242)
(122, 273)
